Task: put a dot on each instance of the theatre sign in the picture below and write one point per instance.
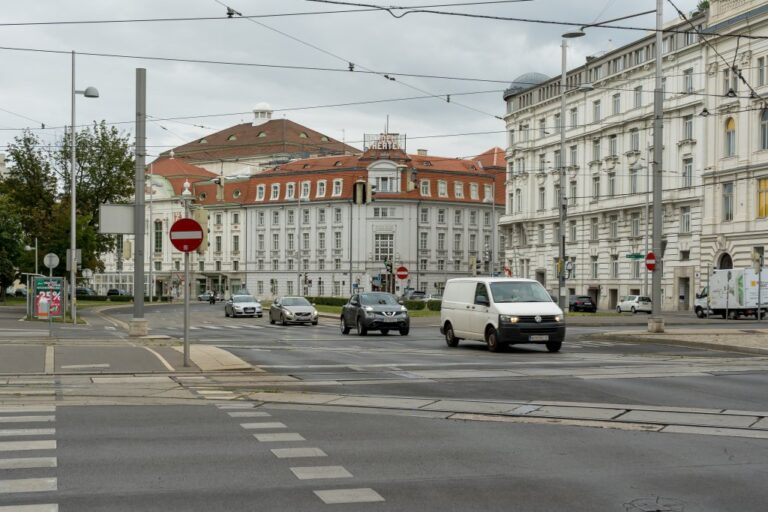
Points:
(384, 141)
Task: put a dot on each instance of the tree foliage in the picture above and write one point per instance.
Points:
(11, 243)
(38, 185)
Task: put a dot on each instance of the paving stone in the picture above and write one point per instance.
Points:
(762, 424)
(678, 418)
(714, 431)
(338, 496)
(576, 412)
(470, 406)
(396, 403)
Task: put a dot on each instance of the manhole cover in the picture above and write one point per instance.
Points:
(655, 504)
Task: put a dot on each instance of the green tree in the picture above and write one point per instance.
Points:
(11, 243)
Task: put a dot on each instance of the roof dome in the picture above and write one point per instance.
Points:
(525, 81)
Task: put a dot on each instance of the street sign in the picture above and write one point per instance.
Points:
(402, 273)
(186, 235)
(650, 261)
(635, 256)
(51, 260)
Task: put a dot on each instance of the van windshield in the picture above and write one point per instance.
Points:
(519, 292)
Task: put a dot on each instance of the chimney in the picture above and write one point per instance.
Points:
(421, 152)
(262, 113)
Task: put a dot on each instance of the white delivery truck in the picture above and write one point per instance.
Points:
(733, 293)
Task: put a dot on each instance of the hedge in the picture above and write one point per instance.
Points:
(328, 301)
(92, 297)
(434, 305)
(120, 298)
(415, 304)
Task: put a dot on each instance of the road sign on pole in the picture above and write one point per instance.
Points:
(186, 235)
(402, 273)
(635, 256)
(650, 261)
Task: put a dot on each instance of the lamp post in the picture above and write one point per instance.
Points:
(186, 197)
(28, 248)
(89, 92)
(563, 206)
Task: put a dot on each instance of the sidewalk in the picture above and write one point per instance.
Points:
(746, 341)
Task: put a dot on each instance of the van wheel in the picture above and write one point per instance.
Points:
(699, 312)
(733, 315)
(554, 346)
(493, 341)
(450, 338)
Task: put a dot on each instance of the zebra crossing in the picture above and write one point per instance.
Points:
(28, 459)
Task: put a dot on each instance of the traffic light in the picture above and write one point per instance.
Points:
(388, 265)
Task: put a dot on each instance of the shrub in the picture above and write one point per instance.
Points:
(95, 298)
(121, 298)
(415, 304)
(328, 301)
(434, 305)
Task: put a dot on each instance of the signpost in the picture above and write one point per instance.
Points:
(186, 235)
(650, 261)
(402, 273)
(635, 256)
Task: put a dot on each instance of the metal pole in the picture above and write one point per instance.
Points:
(298, 241)
(186, 295)
(151, 234)
(418, 231)
(36, 259)
(658, 111)
(647, 222)
(73, 199)
(563, 200)
(139, 214)
(759, 289)
(351, 289)
(494, 232)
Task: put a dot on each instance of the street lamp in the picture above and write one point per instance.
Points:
(89, 92)
(563, 299)
(186, 197)
(28, 248)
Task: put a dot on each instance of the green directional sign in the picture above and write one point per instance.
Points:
(636, 256)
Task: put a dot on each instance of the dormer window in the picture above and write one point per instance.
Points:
(232, 137)
(275, 192)
(442, 188)
(424, 188)
(320, 189)
(289, 190)
(305, 166)
(262, 134)
(305, 190)
(458, 190)
(337, 163)
(324, 138)
(202, 196)
(473, 191)
(260, 192)
(303, 135)
(337, 187)
(203, 141)
(426, 163)
(236, 193)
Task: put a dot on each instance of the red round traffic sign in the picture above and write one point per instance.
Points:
(186, 235)
(650, 261)
(402, 273)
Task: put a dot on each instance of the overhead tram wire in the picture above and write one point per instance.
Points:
(351, 65)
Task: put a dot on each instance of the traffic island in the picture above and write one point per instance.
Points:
(746, 341)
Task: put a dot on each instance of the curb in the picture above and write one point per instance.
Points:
(633, 338)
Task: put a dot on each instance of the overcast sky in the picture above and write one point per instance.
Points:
(37, 85)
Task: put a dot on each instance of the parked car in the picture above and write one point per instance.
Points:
(414, 295)
(373, 311)
(634, 304)
(434, 296)
(206, 296)
(12, 291)
(116, 291)
(292, 310)
(84, 290)
(243, 305)
(582, 303)
(500, 312)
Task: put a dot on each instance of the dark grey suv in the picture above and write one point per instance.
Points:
(374, 311)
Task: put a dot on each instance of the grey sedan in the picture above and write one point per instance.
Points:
(374, 311)
(293, 310)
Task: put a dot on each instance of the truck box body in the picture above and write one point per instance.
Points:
(734, 292)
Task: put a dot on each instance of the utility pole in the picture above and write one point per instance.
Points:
(138, 325)
(656, 323)
(563, 204)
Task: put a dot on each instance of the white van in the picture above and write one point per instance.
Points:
(500, 311)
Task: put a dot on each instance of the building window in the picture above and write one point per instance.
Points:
(542, 162)
(596, 149)
(594, 229)
(260, 242)
(762, 198)
(290, 242)
(572, 231)
(235, 243)
(596, 188)
(200, 265)
(457, 218)
(611, 184)
(472, 242)
(593, 267)
(218, 266)
(574, 117)
(728, 201)
(616, 103)
(540, 234)
(638, 96)
(635, 224)
(635, 269)
(596, 111)
(337, 187)
(542, 198)
(458, 190)
(614, 266)
(320, 189)
(260, 219)
(275, 265)
(275, 192)
(260, 193)
(276, 218)
(423, 240)
(687, 127)
(321, 240)
(217, 246)
(275, 241)
(687, 172)
(305, 190)
(440, 265)
(487, 219)
(305, 241)
(613, 225)
(764, 129)
(320, 264)
(761, 71)
(442, 188)
(457, 242)
(730, 137)
(337, 240)
(337, 215)
(634, 139)
(321, 216)
(291, 215)
(424, 216)
(613, 145)
(290, 283)
(260, 287)
(519, 200)
(159, 235)
(289, 190)
(573, 150)
(558, 161)
(423, 264)
(383, 246)
(424, 187)
(685, 219)
(441, 216)
(337, 264)
(572, 194)
(558, 124)
(305, 216)
(633, 181)
(441, 241)
(542, 127)
(235, 265)
(688, 80)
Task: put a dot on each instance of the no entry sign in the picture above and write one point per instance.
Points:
(402, 273)
(650, 261)
(186, 235)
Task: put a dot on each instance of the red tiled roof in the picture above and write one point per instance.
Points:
(494, 157)
(174, 168)
(275, 136)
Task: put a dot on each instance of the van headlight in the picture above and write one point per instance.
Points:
(508, 319)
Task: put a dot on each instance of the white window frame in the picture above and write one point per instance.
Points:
(320, 191)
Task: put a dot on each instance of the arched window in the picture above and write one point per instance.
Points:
(764, 129)
(730, 137)
(519, 200)
(725, 262)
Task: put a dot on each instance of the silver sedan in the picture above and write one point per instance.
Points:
(242, 305)
(294, 310)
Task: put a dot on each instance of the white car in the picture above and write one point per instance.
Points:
(634, 304)
(243, 305)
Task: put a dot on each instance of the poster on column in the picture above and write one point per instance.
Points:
(50, 289)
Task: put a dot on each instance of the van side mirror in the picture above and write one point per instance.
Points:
(482, 301)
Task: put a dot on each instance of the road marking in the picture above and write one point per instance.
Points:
(320, 472)
(28, 462)
(28, 408)
(275, 438)
(49, 507)
(26, 419)
(233, 327)
(27, 392)
(49, 353)
(242, 405)
(265, 425)
(249, 414)
(84, 366)
(17, 446)
(28, 485)
(162, 359)
(214, 327)
(294, 453)
(10, 432)
(715, 431)
(110, 328)
(338, 496)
